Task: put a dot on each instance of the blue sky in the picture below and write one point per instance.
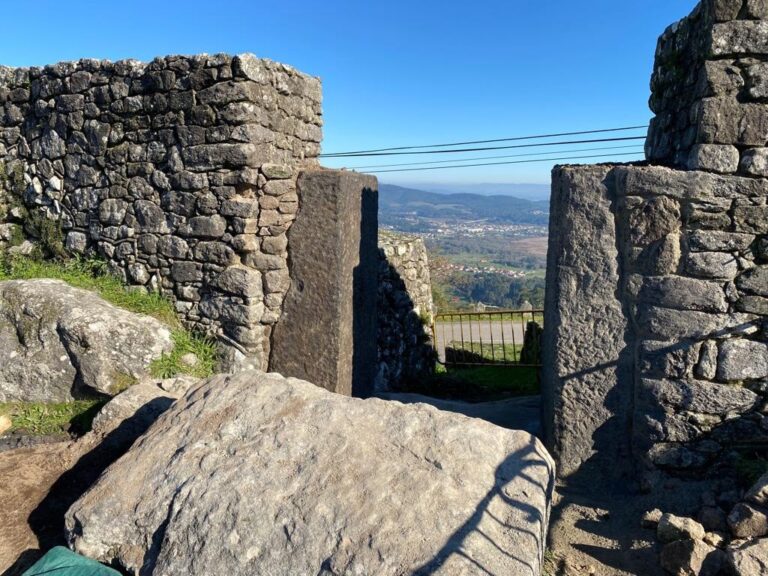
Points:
(395, 72)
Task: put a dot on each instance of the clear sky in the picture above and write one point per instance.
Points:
(395, 72)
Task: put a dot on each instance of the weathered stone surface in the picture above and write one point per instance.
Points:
(187, 457)
(335, 285)
(241, 281)
(671, 528)
(654, 219)
(712, 265)
(722, 158)
(741, 359)
(689, 557)
(582, 403)
(56, 341)
(700, 397)
(747, 521)
(683, 293)
(748, 558)
(752, 219)
(755, 161)
(758, 492)
(668, 325)
(739, 37)
(406, 353)
(754, 281)
(714, 240)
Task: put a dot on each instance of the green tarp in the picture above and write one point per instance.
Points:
(62, 562)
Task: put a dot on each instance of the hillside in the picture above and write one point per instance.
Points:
(401, 208)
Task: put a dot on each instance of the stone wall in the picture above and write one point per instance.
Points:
(406, 313)
(710, 90)
(180, 172)
(656, 316)
(656, 323)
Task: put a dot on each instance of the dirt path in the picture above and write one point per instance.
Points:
(26, 477)
(595, 526)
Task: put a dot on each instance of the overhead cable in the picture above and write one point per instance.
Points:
(469, 142)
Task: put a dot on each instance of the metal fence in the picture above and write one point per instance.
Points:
(488, 338)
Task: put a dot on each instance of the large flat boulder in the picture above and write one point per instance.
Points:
(254, 473)
(57, 342)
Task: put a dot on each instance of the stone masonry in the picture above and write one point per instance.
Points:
(656, 324)
(180, 172)
(710, 89)
(406, 313)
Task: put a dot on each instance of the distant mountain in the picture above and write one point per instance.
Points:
(397, 203)
(523, 191)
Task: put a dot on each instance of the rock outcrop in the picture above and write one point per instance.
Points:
(58, 342)
(256, 473)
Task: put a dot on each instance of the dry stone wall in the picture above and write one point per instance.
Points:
(656, 324)
(710, 90)
(180, 172)
(406, 312)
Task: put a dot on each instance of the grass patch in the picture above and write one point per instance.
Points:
(749, 468)
(479, 384)
(44, 419)
(91, 274)
(170, 365)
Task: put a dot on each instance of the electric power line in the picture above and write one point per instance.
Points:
(366, 152)
(492, 157)
(502, 163)
(624, 139)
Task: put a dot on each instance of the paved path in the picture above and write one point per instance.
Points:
(506, 332)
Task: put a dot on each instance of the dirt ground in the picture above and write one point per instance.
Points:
(595, 526)
(38, 484)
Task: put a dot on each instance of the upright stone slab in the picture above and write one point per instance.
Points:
(327, 333)
(584, 326)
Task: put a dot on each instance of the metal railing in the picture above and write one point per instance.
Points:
(488, 338)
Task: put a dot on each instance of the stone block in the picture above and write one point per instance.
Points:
(207, 226)
(186, 272)
(751, 219)
(698, 396)
(757, 9)
(754, 281)
(667, 325)
(653, 220)
(753, 305)
(721, 158)
(333, 281)
(740, 359)
(683, 294)
(150, 217)
(739, 37)
(715, 240)
(112, 211)
(294, 434)
(241, 281)
(755, 160)
(585, 360)
(716, 265)
(748, 521)
(215, 253)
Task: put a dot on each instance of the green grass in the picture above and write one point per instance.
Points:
(44, 419)
(91, 274)
(491, 353)
(170, 365)
(479, 384)
(749, 468)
